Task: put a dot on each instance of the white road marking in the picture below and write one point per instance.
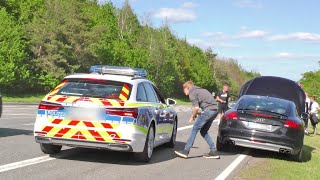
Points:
(28, 124)
(24, 163)
(6, 114)
(232, 166)
(185, 127)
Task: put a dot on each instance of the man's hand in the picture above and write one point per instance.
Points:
(191, 120)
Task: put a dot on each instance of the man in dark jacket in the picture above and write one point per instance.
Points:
(201, 99)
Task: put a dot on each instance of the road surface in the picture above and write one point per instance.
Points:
(21, 158)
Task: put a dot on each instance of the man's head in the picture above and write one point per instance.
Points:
(313, 98)
(226, 88)
(187, 87)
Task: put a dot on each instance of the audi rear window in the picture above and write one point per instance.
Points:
(266, 104)
(95, 88)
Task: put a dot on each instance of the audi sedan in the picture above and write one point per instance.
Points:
(265, 121)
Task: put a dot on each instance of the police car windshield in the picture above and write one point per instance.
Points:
(93, 88)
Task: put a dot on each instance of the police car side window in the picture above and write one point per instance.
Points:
(159, 95)
(141, 94)
(150, 93)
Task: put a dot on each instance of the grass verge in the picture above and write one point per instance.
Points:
(23, 98)
(277, 166)
(182, 101)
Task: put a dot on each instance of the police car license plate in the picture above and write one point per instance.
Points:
(86, 114)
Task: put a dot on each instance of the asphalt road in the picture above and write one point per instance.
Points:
(17, 146)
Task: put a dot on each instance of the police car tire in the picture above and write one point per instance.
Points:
(50, 149)
(143, 156)
(172, 141)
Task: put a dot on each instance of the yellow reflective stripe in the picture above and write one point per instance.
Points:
(96, 101)
(87, 135)
(53, 131)
(125, 90)
(114, 102)
(70, 99)
(122, 97)
(70, 133)
(55, 98)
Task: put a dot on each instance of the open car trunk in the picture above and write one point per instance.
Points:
(276, 87)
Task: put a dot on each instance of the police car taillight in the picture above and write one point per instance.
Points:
(118, 70)
(128, 112)
(50, 106)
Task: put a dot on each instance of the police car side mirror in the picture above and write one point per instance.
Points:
(171, 102)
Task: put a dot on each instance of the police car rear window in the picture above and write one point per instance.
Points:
(96, 88)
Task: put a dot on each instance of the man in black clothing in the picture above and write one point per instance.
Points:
(223, 99)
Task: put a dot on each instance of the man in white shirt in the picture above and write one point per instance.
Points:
(314, 117)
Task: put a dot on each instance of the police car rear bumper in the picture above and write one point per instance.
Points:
(130, 147)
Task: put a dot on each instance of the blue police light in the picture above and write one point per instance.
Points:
(118, 70)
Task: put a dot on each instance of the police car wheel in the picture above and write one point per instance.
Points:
(50, 149)
(146, 154)
(172, 142)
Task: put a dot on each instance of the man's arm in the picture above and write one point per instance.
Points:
(220, 100)
(194, 114)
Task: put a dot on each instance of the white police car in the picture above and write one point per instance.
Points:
(114, 108)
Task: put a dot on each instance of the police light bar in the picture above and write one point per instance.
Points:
(118, 70)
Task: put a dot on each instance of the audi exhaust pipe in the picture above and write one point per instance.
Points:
(285, 151)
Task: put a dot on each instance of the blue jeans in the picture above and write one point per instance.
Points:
(202, 124)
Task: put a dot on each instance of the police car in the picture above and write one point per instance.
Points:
(113, 108)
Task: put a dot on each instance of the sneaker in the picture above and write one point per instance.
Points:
(212, 155)
(306, 132)
(184, 153)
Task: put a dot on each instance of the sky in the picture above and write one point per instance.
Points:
(272, 37)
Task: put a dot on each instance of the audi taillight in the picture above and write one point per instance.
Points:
(130, 112)
(231, 115)
(50, 106)
(291, 124)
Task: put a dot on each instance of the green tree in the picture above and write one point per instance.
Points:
(13, 71)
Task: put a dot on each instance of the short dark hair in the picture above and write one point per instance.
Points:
(314, 97)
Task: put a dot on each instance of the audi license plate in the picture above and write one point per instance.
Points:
(253, 125)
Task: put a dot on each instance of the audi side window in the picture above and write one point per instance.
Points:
(159, 95)
(141, 94)
(150, 93)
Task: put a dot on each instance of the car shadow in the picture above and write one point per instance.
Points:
(6, 132)
(160, 154)
(307, 154)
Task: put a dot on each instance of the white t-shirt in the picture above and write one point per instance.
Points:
(314, 108)
(307, 104)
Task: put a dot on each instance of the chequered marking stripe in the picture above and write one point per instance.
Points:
(98, 101)
(78, 130)
(124, 95)
(55, 90)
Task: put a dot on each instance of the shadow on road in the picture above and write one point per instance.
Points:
(307, 154)
(160, 154)
(6, 132)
